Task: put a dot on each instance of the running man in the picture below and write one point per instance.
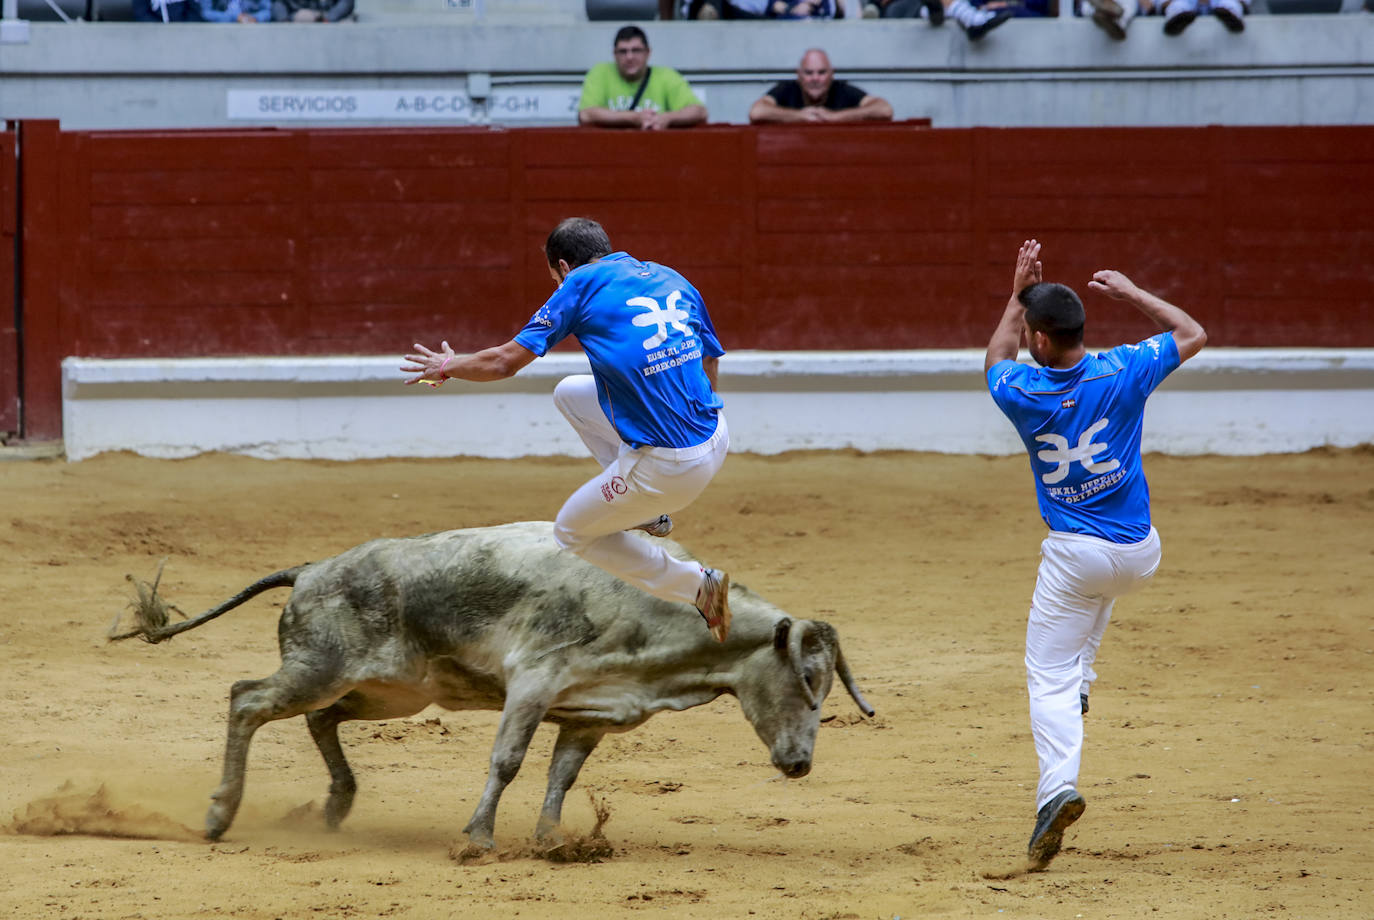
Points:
(649, 412)
(1080, 417)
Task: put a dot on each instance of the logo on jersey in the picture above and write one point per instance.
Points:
(1068, 404)
(1063, 456)
(660, 317)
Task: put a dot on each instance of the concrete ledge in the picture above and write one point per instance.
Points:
(1225, 401)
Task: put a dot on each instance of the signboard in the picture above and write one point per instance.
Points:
(420, 105)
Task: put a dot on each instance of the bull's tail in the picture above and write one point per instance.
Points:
(151, 611)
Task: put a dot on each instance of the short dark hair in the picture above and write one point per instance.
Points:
(577, 241)
(628, 32)
(1055, 310)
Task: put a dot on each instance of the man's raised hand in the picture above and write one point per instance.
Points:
(1112, 283)
(1027, 267)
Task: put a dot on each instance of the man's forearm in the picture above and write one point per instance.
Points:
(496, 363)
(766, 113)
(1006, 338)
(1188, 333)
(687, 116)
(600, 117)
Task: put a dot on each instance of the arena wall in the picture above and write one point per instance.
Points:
(326, 241)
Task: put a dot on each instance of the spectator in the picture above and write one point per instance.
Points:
(1179, 14)
(163, 11)
(233, 10)
(1113, 16)
(933, 10)
(815, 95)
(311, 10)
(706, 10)
(976, 21)
(630, 94)
(806, 9)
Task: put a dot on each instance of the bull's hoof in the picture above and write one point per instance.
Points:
(336, 808)
(467, 853)
(217, 822)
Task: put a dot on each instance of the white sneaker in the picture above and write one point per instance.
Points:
(660, 526)
(713, 601)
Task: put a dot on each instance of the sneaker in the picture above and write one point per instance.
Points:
(1178, 15)
(713, 601)
(871, 11)
(1112, 25)
(1050, 824)
(935, 11)
(1083, 698)
(660, 526)
(707, 13)
(1231, 13)
(984, 26)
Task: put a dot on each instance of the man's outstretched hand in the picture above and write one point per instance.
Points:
(428, 366)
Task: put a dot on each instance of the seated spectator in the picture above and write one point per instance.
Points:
(630, 94)
(311, 10)
(818, 97)
(1179, 14)
(933, 10)
(976, 21)
(1113, 16)
(163, 11)
(706, 10)
(806, 9)
(232, 10)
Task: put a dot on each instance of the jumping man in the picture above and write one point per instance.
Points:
(1079, 416)
(649, 412)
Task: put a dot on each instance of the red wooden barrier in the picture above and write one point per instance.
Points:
(364, 241)
(9, 334)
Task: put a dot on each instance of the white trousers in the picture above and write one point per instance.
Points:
(635, 486)
(1080, 579)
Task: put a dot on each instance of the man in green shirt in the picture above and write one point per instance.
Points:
(630, 94)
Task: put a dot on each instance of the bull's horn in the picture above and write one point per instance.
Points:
(794, 655)
(847, 678)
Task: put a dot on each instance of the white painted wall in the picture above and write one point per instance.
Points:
(1225, 401)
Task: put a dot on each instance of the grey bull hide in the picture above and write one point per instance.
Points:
(500, 618)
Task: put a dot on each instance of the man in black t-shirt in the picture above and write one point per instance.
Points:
(817, 96)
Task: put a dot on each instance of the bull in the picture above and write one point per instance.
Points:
(500, 618)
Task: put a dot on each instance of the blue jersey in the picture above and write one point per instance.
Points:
(645, 330)
(1081, 427)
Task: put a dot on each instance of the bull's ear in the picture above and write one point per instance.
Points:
(780, 633)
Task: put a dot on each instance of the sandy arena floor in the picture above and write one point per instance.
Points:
(1230, 743)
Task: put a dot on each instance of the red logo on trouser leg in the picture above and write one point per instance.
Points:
(617, 486)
